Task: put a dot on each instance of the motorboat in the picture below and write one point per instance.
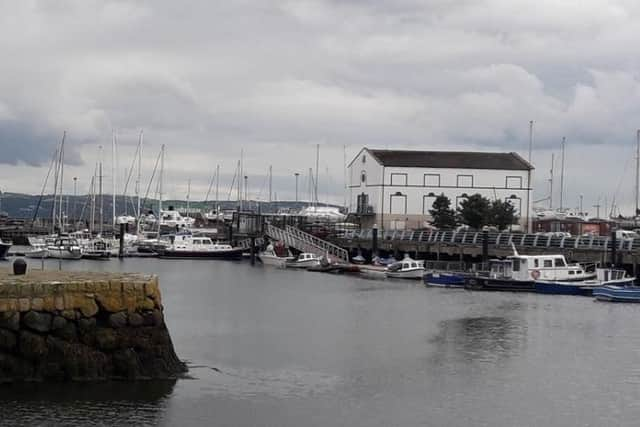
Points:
(270, 257)
(38, 250)
(408, 268)
(65, 248)
(520, 272)
(604, 277)
(96, 249)
(4, 249)
(383, 261)
(617, 293)
(189, 246)
(445, 279)
(304, 260)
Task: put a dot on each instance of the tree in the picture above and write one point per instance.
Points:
(441, 213)
(474, 211)
(502, 214)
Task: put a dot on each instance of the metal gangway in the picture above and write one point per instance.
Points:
(305, 242)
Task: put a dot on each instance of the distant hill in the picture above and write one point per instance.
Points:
(18, 205)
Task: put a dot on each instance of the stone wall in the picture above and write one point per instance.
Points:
(83, 326)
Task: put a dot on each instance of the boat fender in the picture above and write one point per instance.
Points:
(535, 274)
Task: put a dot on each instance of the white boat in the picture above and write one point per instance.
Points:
(269, 257)
(189, 246)
(323, 213)
(304, 260)
(408, 268)
(38, 250)
(4, 249)
(65, 248)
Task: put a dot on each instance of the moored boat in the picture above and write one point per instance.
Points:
(270, 257)
(604, 277)
(408, 268)
(444, 279)
(188, 246)
(65, 248)
(304, 260)
(4, 249)
(616, 293)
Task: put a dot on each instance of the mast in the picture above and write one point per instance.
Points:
(217, 190)
(113, 178)
(315, 201)
(240, 181)
(101, 216)
(530, 138)
(188, 195)
(60, 218)
(562, 172)
(635, 214)
(551, 183)
(344, 176)
(139, 178)
(56, 171)
(270, 181)
(160, 179)
(92, 225)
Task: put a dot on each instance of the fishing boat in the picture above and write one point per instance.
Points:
(199, 247)
(304, 260)
(65, 248)
(377, 260)
(4, 249)
(604, 277)
(520, 272)
(408, 268)
(270, 257)
(444, 279)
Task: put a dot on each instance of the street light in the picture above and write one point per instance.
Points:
(296, 175)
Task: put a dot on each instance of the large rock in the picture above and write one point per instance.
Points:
(37, 321)
(58, 322)
(106, 339)
(32, 346)
(118, 320)
(10, 320)
(7, 339)
(136, 319)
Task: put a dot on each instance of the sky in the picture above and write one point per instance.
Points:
(275, 78)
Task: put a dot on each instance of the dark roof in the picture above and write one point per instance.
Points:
(450, 159)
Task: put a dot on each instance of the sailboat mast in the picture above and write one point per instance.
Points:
(113, 178)
(551, 182)
(217, 189)
(635, 214)
(270, 181)
(55, 189)
(562, 173)
(139, 178)
(160, 179)
(188, 195)
(60, 218)
(93, 200)
(344, 175)
(101, 216)
(315, 201)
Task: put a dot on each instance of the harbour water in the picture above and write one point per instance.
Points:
(271, 347)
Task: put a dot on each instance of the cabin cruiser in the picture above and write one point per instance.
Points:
(304, 260)
(408, 268)
(324, 213)
(189, 246)
(604, 277)
(520, 272)
(270, 257)
(96, 249)
(65, 248)
(4, 249)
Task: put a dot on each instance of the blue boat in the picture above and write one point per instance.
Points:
(444, 279)
(604, 277)
(615, 293)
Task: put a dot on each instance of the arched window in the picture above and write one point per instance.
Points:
(363, 177)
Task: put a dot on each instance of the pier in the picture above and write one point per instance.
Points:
(72, 326)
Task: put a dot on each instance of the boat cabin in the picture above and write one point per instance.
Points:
(537, 267)
(306, 257)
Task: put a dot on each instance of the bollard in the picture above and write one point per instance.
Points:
(19, 267)
(374, 241)
(121, 248)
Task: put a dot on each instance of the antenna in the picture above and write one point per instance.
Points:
(635, 214)
(562, 172)
(551, 182)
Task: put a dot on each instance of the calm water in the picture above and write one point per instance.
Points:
(271, 347)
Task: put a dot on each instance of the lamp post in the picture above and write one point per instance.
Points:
(296, 175)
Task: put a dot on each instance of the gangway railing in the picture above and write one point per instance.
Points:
(306, 242)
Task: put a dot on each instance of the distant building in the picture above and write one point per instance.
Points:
(395, 189)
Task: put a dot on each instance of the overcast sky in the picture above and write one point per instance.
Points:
(275, 78)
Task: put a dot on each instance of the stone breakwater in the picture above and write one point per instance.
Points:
(83, 326)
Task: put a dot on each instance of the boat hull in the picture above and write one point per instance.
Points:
(444, 280)
(414, 274)
(233, 254)
(64, 254)
(303, 264)
(4, 250)
(560, 288)
(37, 253)
(490, 284)
(275, 261)
(617, 293)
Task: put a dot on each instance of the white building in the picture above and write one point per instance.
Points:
(396, 188)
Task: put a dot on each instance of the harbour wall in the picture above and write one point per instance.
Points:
(65, 326)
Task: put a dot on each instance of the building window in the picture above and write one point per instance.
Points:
(363, 177)
(513, 182)
(427, 204)
(362, 206)
(431, 180)
(398, 204)
(398, 179)
(364, 158)
(465, 181)
(548, 263)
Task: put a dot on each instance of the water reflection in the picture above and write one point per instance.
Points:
(107, 403)
(479, 339)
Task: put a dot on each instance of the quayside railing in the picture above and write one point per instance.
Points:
(506, 239)
(306, 242)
